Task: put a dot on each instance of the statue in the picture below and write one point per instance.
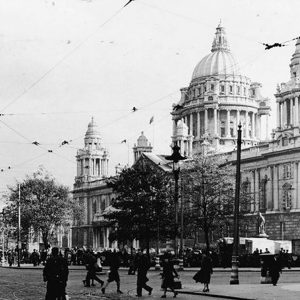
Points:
(261, 222)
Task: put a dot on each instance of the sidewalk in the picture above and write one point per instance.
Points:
(288, 291)
(190, 290)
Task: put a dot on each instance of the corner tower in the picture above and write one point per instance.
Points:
(218, 98)
(287, 99)
(92, 160)
(141, 146)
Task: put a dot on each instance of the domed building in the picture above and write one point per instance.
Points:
(218, 98)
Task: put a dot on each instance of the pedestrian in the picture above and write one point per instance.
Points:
(56, 273)
(205, 272)
(142, 266)
(168, 274)
(35, 258)
(275, 269)
(92, 269)
(114, 264)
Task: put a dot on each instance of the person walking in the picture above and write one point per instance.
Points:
(56, 273)
(92, 268)
(114, 264)
(206, 270)
(142, 266)
(168, 275)
(275, 269)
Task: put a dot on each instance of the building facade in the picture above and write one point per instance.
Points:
(219, 98)
(91, 193)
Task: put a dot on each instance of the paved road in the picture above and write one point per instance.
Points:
(27, 284)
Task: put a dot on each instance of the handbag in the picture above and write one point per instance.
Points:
(177, 285)
(198, 276)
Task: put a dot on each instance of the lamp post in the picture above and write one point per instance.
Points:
(19, 227)
(234, 268)
(176, 157)
(2, 231)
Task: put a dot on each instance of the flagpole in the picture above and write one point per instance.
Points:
(153, 134)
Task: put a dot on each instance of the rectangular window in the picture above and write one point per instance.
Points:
(222, 132)
(238, 90)
(230, 89)
(222, 88)
(212, 87)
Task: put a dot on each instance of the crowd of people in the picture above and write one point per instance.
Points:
(56, 264)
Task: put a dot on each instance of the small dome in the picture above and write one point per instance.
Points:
(142, 141)
(220, 61)
(92, 131)
(182, 128)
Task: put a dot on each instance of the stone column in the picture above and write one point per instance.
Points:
(237, 118)
(78, 168)
(247, 125)
(284, 114)
(215, 122)
(295, 186)
(296, 122)
(228, 123)
(291, 112)
(259, 126)
(191, 124)
(185, 120)
(174, 127)
(252, 207)
(275, 187)
(205, 121)
(198, 124)
(278, 115)
(252, 125)
(269, 190)
(256, 194)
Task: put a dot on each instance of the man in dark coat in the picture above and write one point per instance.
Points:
(91, 265)
(114, 263)
(56, 274)
(275, 269)
(142, 266)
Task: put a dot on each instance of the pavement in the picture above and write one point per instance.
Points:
(245, 291)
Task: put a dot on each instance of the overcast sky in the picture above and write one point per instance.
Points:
(64, 61)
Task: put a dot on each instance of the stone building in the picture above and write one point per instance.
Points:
(91, 192)
(218, 98)
(142, 146)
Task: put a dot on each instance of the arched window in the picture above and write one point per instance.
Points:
(286, 196)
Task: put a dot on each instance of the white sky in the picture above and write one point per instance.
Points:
(74, 59)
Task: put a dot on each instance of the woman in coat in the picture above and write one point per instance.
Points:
(168, 275)
(205, 272)
(275, 269)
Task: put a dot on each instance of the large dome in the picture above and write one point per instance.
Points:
(220, 61)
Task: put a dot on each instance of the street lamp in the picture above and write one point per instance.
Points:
(176, 158)
(235, 253)
(19, 226)
(2, 231)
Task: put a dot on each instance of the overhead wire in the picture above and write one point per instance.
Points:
(67, 55)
